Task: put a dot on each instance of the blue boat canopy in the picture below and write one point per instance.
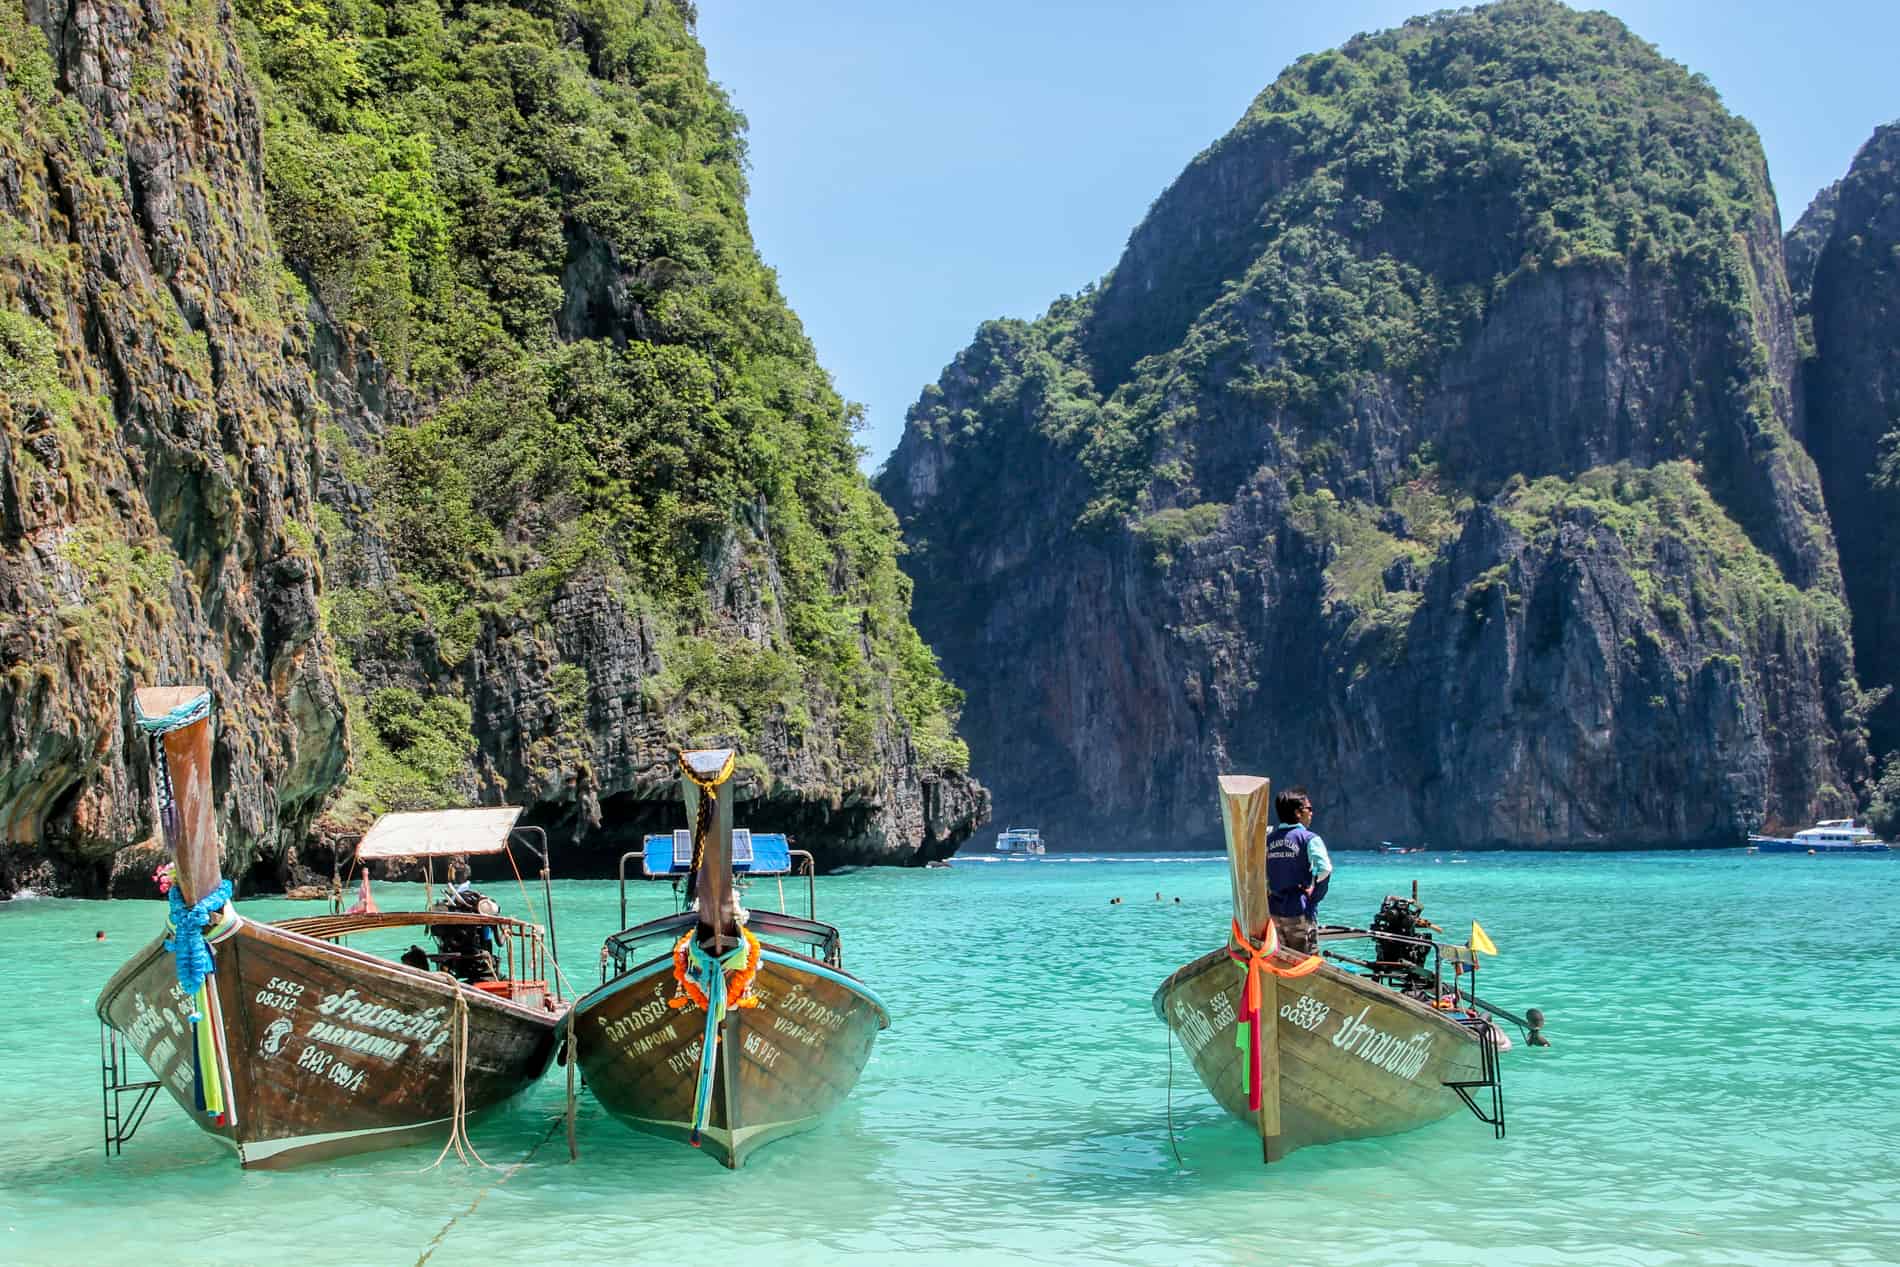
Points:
(761, 853)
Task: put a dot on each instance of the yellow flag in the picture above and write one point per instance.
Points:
(1479, 941)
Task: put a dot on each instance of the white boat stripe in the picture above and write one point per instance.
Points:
(263, 1150)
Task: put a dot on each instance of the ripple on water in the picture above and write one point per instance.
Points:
(1716, 1093)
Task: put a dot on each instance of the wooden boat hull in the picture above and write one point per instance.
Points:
(329, 1051)
(781, 1066)
(1356, 1059)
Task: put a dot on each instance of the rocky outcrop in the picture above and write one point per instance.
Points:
(1412, 458)
(1802, 248)
(256, 321)
(158, 446)
(1853, 396)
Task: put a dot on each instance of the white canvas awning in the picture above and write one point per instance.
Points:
(438, 833)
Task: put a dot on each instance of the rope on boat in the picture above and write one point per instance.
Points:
(458, 1118)
(573, 1058)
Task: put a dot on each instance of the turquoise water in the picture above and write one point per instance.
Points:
(1721, 1090)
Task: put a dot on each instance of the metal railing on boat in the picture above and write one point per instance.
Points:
(620, 948)
(525, 953)
(1396, 974)
(1385, 971)
(809, 870)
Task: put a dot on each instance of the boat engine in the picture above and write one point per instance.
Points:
(466, 951)
(1404, 946)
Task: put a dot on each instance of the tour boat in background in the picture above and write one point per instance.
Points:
(285, 1043)
(1024, 840)
(1830, 835)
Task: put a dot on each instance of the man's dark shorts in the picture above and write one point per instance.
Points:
(1298, 933)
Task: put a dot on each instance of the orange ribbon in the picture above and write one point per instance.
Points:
(1259, 959)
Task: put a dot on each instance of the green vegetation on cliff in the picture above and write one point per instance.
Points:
(1419, 173)
(1443, 403)
(535, 216)
(1844, 261)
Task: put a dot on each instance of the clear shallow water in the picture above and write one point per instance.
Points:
(1722, 1090)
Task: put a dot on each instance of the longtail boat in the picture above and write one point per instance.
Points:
(1307, 1052)
(715, 1025)
(291, 1046)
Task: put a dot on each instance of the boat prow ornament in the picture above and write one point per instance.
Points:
(284, 1042)
(720, 1026)
(1313, 1048)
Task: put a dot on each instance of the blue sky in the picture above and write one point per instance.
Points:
(918, 168)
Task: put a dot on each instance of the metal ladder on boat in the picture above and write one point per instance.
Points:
(1490, 1076)
(122, 1119)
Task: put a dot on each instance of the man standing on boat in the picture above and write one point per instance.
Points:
(1298, 871)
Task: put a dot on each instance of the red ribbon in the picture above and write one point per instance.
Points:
(1259, 959)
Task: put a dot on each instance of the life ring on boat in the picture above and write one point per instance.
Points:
(738, 980)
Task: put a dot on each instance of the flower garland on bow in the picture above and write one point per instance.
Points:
(690, 968)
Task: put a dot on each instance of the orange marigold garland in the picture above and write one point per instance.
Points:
(738, 980)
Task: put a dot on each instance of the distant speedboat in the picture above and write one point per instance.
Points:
(1386, 846)
(1019, 840)
(1830, 835)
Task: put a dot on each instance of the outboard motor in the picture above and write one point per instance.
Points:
(465, 951)
(1401, 963)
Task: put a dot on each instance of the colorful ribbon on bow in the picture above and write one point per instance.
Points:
(192, 957)
(714, 983)
(1259, 959)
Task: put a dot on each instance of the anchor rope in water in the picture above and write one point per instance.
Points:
(435, 1242)
(458, 1118)
(1171, 1144)
(573, 1106)
(1259, 959)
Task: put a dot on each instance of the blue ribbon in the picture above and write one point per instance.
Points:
(710, 972)
(187, 942)
(185, 714)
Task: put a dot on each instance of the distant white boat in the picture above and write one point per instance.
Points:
(1830, 835)
(1019, 840)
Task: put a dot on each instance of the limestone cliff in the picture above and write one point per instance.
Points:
(158, 453)
(407, 374)
(1433, 443)
(1853, 397)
